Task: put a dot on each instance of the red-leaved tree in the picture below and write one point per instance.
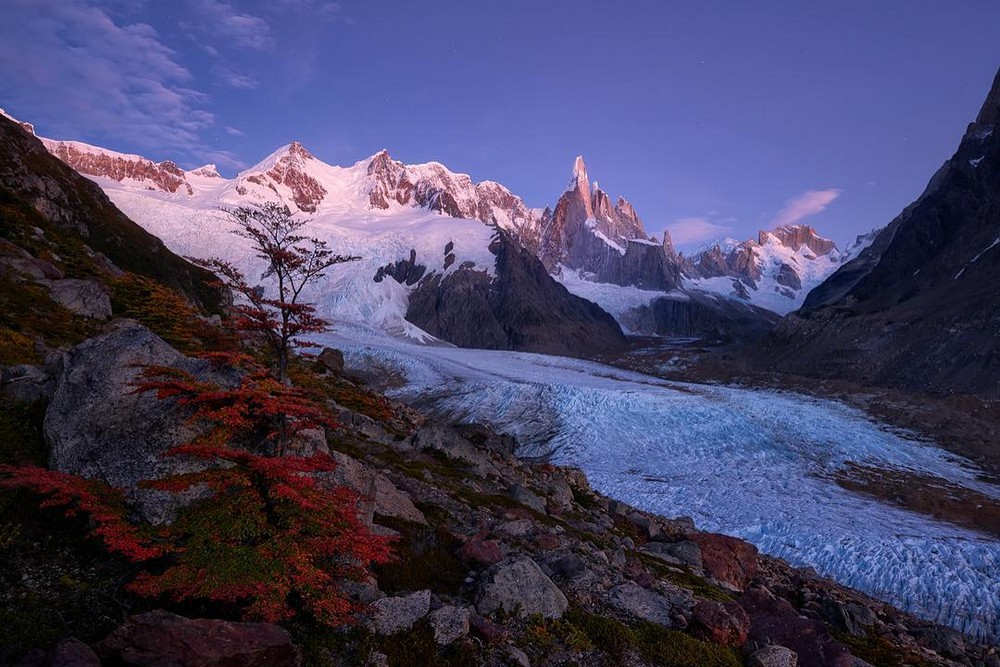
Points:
(294, 261)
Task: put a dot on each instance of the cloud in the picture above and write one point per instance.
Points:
(67, 60)
(329, 11)
(223, 20)
(696, 230)
(806, 204)
(233, 79)
(235, 131)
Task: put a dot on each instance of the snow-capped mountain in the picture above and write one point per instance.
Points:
(598, 250)
(774, 271)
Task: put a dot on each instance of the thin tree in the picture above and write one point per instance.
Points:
(294, 261)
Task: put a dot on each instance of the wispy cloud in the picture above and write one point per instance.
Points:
(103, 77)
(235, 131)
(697, 230)
(806, 204)
(234, 79)
(222, 19)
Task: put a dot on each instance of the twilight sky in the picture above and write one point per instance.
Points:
(714, 118)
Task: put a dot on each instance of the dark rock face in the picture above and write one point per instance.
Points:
(96, 426)
(31, 176)
(919, 308)
(727, 559)
(701, 315)
(162, 638)
(521, 308)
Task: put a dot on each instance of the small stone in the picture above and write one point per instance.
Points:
(646, 605)
(517, 657)
(72, 653)
(723, 623)
(391, 615)
(449, 623)
(527, 498)
(488, 631)
(773, 656)
(481, 551)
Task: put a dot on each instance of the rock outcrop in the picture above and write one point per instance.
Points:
(918, 308)
(162, 638)
(96, 425)
(520, 307)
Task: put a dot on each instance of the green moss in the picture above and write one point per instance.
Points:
(670, 648)
(877, 651)
(416, 648)
(54, 581)
(657, 645)
(683, 577)
(21, 437)
(425, 558)
(609, 635)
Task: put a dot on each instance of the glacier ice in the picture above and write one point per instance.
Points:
(749, 463)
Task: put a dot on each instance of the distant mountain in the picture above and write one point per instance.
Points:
(919, 307)
(597, 249)
(774, 271)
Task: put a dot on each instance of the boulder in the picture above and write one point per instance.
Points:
(723, 623)
(726, 559)
(773, 656)
(377, 494)
(773, 619)
(388, 616)
(519, 586)
(159, 638)
(449, 623)
(522, 495)
(70, 652)
(97, 426)
(487, 630)
(83, 297)
(685, 552)
(646, 526)
(646, 605)
(331, 360)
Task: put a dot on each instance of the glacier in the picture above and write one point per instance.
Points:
(749, 463)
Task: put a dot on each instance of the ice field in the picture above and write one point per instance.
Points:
(753, 464)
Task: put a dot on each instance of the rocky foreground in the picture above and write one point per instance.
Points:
(500, 561)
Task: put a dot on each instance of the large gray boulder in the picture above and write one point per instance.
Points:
(647, 605)
(519, 586)
(98, 426)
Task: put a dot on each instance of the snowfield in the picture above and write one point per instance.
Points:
(753, 464)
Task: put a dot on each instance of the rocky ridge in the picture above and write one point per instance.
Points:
(918, 308)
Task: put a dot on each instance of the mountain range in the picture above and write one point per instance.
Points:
(597, 249)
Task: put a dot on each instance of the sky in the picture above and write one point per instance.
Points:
(714, 119)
